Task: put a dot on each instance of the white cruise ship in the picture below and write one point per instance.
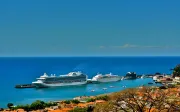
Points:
(106, 78)
(72, 78)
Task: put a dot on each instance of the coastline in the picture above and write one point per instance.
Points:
(118, 86)
(100, 99)
(104, 92)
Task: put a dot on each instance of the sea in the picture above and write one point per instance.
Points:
(24, 70)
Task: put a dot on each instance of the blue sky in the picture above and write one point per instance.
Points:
(89, 28)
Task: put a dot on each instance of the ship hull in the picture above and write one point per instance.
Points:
(155, 78)
(44, 85)
(108, 79)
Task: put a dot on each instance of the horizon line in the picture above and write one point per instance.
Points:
(83, 56)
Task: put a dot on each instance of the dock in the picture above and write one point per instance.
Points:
(25, 86)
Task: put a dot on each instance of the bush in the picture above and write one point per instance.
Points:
(37, 105)
(162, 87)
(75, 101)
(90, 100)
(9, 105)
(104, 97)
(27, 107)
(49, 104)
(67, 101)
(90, 108)
(171, 86)
(1, 109)
(34, 106)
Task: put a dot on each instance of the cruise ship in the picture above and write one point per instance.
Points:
(106, 78)
(72, 78)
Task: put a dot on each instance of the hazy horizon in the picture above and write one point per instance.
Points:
(56, 28)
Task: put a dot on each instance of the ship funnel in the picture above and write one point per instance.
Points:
(45, 75)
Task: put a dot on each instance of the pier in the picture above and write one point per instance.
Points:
(25, 86)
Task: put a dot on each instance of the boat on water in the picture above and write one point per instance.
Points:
(131, 75)
(104, 88)
(122, 78)
(111, 86)
(72, 78)
(150, 83)
(143, 76)
(106, 78)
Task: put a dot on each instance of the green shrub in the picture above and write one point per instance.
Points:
(1, 109)
(9, 105)
(34, 106)
(90, 108)
(104, 97)
(49, 104)
(37, 105)
(90, 100)
(25, 107)
(67, 101)
(75, 101)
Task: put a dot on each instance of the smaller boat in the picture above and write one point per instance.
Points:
(122, 78)
(150, 83)
(111, 86)
(143, 76)
(92, 90)
(104, 88)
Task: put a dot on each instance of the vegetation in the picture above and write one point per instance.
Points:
(9, 105)
(75, 101)
(102, 97)
(71, 101)
(35, 106)
(138, 100)
(1, 109)
(67, 101)
(176, 71)
(130, 100)
(90, 100)
(162, 87)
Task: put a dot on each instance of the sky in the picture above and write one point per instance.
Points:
(89, 28)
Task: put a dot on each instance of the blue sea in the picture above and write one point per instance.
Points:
(24, 70)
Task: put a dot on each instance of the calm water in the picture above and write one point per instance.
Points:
(25, 70)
